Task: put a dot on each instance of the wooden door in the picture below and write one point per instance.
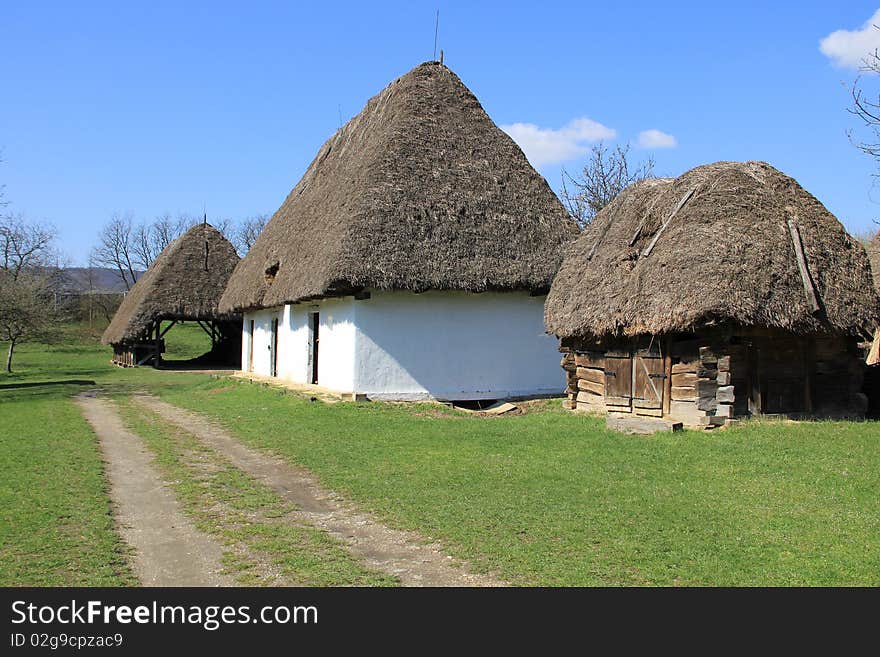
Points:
(618, 378)
(313, 347)
(649, 378)
(250, 357)
(274, 347)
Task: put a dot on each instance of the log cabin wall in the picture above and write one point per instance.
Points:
(716, 377)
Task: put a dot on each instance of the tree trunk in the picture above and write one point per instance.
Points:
(9, 356)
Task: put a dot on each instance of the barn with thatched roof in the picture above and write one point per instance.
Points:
(183, 284)
(417, 251)
(727, 292)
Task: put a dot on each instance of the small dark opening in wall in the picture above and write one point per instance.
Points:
(271, 272)
(474, 404)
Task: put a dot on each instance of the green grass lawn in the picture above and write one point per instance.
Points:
(553, 498)
(55, 523)
(263, 546)
(185, 341)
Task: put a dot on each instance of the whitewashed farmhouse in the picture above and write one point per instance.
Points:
(412, 260)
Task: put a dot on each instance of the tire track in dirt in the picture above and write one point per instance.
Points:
(402, 554)
(168, 549)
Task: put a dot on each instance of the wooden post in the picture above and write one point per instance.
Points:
(667, 381)
(684, 199)
(158, 338)
(809, 290)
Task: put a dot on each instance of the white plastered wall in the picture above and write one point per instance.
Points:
(454, 345)
(336, 342)
(261, 340)
(401, 345)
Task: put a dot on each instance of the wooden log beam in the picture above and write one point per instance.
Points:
(590, 359)
(205, 329)
(683, 394)
(592, 375)
(166, 329)
(809, 289)
(684, 379)
(684, 199)
(589, 386)
(685, 368)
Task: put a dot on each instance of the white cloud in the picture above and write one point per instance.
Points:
(656, 139)
(547, 146)
(848, 48)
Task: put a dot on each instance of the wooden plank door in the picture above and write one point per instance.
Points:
(649, 379)
(314, 341)
(250, 357)
(618, 378)
(274, 347)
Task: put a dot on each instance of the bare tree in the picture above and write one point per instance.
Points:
(150, 239)
(3, 201)
(248, 231)
(26, 309)
(126, 246)
(28, 281)
(227, 227)
(866, 106)
(25, 245)
(98, 298)
(116, 249)
(604, 176)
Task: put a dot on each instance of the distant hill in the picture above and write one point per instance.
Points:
(103, 279)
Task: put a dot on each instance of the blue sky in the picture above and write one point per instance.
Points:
(169, 106)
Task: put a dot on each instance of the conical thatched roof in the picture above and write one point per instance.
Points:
(182, 283)
(419, 191)
(726, 256)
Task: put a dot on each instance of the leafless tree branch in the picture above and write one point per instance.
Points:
(248, 231)
(116, 249)
(604, 176)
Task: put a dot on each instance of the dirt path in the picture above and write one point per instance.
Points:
(399, 553)
(168, 549)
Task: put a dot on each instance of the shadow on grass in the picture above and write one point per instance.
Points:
(36, 384)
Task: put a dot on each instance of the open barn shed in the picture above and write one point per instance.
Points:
(183, 284)
(725, 293)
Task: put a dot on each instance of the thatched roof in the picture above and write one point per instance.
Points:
(182, 283)
(726, 256)
(873, 249)
(419, 191)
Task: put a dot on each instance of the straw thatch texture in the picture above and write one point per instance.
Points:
(180, 284)
(726, 256)
(873, 248)
(419, 191)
